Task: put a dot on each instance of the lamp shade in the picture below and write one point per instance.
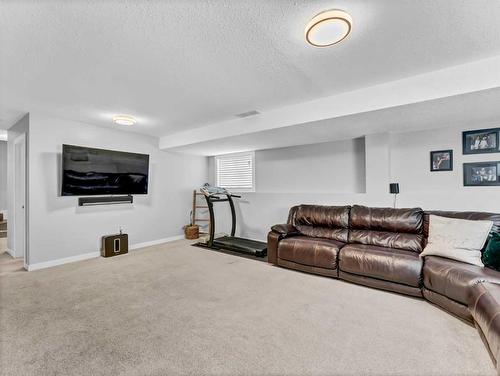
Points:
(394, 188)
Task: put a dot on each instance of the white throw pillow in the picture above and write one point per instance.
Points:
(457, 239)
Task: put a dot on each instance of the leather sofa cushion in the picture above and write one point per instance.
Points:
(325, 216)
(408, 242)
(304, 250)
(485, 308)
(387, 219)
(339, 234)
(330, 222)
(387, 227)
(454, 279)
(381, 284)
(383, 263)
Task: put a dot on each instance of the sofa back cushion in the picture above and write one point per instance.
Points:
(387, 227)
(318, 221)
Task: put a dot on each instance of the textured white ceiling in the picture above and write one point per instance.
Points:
(177, 65)
(449, 82)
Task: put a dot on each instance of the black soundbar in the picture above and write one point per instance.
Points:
(87, 201)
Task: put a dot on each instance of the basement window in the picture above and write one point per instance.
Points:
(236, 172)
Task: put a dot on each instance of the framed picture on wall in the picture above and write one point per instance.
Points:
(481, 174)
(442, 160)
(481, 141)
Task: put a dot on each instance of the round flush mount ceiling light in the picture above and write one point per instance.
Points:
(328, 28)
(124, 120)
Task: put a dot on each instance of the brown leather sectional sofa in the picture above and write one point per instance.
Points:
(380, 247)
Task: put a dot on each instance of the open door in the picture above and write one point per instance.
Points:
(20, 199)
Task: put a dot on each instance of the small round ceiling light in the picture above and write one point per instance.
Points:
(124, 120)
(328, 28)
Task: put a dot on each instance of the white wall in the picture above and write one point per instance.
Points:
(410, 166)
(331, 173)
(3, 176)
(378, 163)
(330, 167)
(401, 157)
(59, 228)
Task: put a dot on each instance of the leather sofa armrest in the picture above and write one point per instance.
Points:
(285, 230)
(277, 233)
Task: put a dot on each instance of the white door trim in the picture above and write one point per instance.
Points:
(20, 140)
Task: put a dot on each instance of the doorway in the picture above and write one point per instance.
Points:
(19, 200)
(13, 222)
(3, 196)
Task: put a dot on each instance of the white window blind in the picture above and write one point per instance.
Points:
(235, 172)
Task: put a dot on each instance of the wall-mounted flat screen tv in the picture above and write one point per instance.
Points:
(89, 171)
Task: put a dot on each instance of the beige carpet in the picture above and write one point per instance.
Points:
(8, 264)
(175, 309)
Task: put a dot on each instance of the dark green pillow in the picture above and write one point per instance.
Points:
(491, 255)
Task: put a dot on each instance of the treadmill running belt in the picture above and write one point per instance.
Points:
(233, 243)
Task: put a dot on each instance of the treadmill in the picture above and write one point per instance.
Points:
(231, 243)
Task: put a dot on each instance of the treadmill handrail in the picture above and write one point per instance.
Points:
(210, 203)
(217, 198)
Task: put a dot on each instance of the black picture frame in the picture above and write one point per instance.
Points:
(448, 163)
(481, 141)
(480, 174)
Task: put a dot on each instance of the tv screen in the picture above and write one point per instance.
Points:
(89, 171)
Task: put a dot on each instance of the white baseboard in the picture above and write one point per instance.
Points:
(155, 242)
(86, 256)
(66, 260)
(11, 252)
